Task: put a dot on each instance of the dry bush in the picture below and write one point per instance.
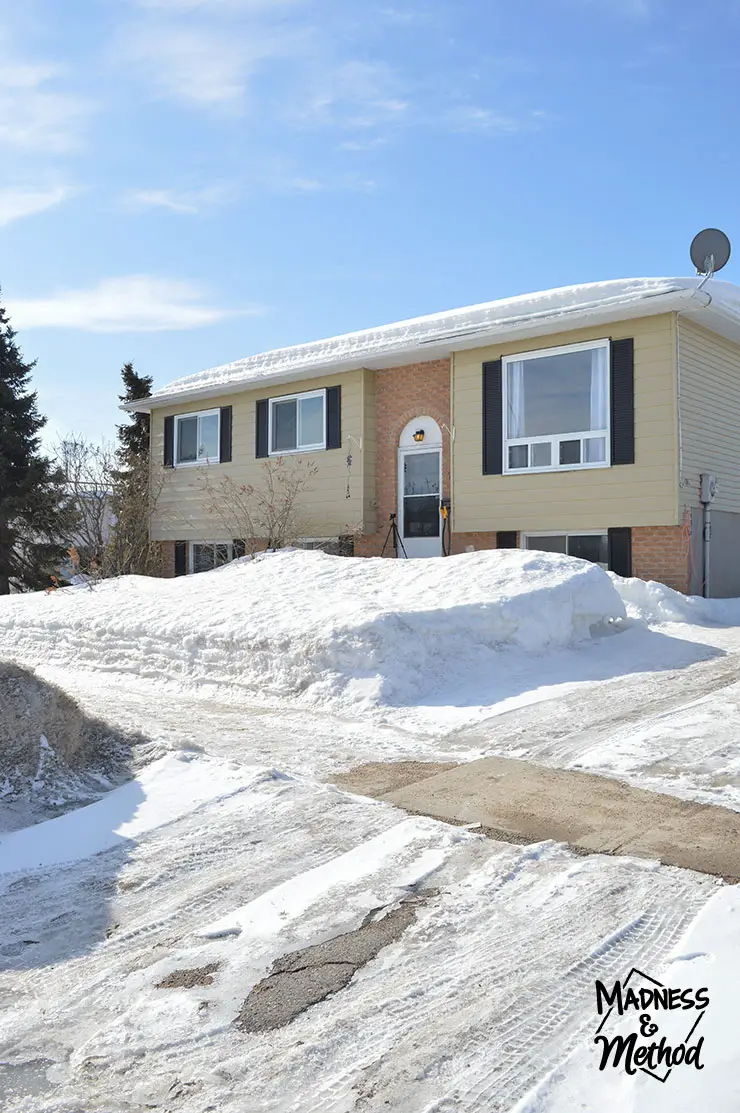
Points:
(267, 514)
(33, 710)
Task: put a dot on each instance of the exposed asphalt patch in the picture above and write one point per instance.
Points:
(375, 778)
(303, 978)
(187, 979)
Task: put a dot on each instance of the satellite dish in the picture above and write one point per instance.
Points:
(710, 250)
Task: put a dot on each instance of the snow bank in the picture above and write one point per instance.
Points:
(654, 602)
(330, 630)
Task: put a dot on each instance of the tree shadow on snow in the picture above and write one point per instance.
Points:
(59, 875)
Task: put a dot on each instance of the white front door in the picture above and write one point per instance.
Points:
(419, 488)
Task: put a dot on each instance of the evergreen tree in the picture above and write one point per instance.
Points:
(37, 518)
(134, 437)
(131, 551)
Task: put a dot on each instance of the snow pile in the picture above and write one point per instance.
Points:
(653, 602)
(51, 752)
(345, 632)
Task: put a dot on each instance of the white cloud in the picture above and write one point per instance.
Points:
(475, 118)
(34, 115)
(632, 9)
(16, 203)
(208, 67)
(188, 202)
(206, 62)
(163, 199)
(354, 94)
(363, 144)
(215, 6)
(133, 303)
(305, 185)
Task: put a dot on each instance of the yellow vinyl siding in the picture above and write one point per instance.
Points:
(643, 493)
(325, 510)
(710, 414)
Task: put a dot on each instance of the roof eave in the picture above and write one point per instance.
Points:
(510, 328)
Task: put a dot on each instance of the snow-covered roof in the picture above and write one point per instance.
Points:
(421, 338)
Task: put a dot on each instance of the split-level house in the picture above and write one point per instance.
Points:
(579, 420)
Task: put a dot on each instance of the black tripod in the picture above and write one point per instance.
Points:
(395, 535)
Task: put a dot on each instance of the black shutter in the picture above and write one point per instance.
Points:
(506, 539)
(334, 417)
(493, 428)
(620, 551)
(623, 401)
(225, 427)
(262, 422)
(169, 442)
(239, 548)
(181, 558)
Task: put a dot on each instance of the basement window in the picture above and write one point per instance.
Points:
(203, 556)
(591, 546)
(556, 407)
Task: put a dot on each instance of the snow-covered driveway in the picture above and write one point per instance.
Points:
(486, 991)
(231, 850)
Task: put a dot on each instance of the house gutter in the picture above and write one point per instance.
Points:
(510, 328)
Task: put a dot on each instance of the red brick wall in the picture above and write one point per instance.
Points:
(460, 541)
(403, 393)
(167, 551)
(662, 553)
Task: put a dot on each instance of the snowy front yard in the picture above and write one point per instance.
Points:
(133, 930)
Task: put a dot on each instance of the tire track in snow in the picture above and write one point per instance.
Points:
(552, 732)
(466, 1015)
(646, 942)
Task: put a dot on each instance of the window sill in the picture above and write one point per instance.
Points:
(196, 463)
(559, 468)
(299, 451)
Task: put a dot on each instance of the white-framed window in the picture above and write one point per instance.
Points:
(556, 409)
(297, 423)
(587, 544)
(197, 438)
(205, 555)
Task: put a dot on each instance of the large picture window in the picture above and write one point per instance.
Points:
(197, 438)
(297, 423)
(556, 408)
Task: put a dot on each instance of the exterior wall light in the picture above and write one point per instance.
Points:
(419, 435)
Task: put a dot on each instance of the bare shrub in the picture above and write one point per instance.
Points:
(88, 478)
(267, 514)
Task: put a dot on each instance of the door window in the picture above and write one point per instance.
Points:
(421, 494)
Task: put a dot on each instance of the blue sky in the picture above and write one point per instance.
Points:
(185, 182)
